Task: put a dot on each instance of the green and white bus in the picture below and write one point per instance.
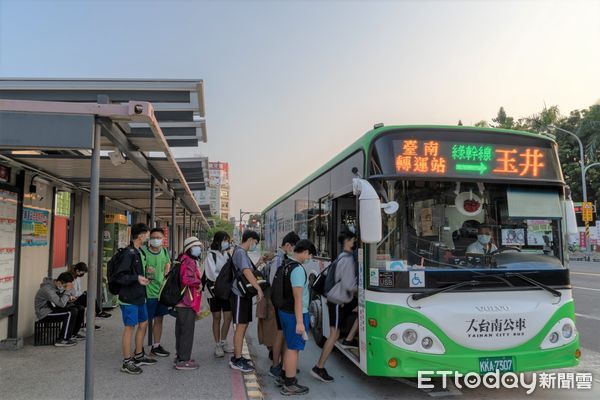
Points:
(430, 295)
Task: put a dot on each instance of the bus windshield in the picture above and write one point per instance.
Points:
(470, 225)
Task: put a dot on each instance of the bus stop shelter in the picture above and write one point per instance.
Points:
(89, 147)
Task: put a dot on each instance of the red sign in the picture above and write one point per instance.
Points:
(581, 239)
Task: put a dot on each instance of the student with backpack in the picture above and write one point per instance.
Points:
(287, 249)
(291, 296)
(158, 264)
(241, 306)
(220, 308)
(189, 305)
(340, 287)
(126, 278)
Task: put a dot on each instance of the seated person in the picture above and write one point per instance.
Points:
(52, 304)
(78, 271)
(484, 244)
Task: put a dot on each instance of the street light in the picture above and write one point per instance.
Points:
(584, 169)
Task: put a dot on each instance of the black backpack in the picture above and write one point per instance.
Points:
(281, 290)
(113, 264)
(172, 289)
(222, 286)
(325, 281)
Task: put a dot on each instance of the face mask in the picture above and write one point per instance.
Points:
(307, 261)
(224, 245)
(145, 240)
(155, 242)
(196, 251)
(484, 239)
(254, 247)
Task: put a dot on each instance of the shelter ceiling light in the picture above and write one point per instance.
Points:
(116, 157)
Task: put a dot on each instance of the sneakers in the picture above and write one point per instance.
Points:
(158, 351)
(293, 389)
(351, 343)
(130, 367)
(65, 343)
(79, 336)
(227, 348)
(219, 351)
(321, 374)
(241, 364)
(96, 327)
(103, 315)
(275, 371)
(141, 359)
(279, 381)
(186, 365)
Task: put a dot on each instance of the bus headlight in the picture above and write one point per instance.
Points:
(406, 336)
(409, 336)
(562, 333)
(427, 342)
(567, 331)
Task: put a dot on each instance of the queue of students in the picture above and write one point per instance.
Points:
(141, 269)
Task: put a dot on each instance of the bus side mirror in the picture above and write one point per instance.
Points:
(571, 220)
(370, 211)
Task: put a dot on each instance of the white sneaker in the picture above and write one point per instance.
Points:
(219, 351)
(227, 348)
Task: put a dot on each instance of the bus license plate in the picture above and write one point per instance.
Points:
(491, 364)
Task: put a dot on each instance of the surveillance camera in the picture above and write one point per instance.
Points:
(116, 158)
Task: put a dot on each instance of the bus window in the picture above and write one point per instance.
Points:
(442, 225)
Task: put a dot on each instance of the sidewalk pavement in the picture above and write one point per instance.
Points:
(48, 372)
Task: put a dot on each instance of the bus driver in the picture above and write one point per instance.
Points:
(484, 244)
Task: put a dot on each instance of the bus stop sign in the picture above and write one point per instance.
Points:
(587, 212)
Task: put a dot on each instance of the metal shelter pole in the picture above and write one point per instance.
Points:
(184, 226)
(173, 230)
(152, 203)
(92, 262)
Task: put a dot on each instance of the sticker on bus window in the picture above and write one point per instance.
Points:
(396, 265)
(416, 279)
(374, 276)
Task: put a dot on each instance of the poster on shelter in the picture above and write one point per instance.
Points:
(35, 227)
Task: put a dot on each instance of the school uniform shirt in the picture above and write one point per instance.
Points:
(298, 278)
(212, 268)
(478, 248)
(158, 261)
(241, 261)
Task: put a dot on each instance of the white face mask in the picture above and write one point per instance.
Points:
(196, 251)
(484, 239)
(254, 247)
(224, 246)
(155, 242)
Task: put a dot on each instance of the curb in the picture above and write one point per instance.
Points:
(251, 383)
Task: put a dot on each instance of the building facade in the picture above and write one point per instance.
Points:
(216, 194)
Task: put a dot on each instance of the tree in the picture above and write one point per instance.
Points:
(460, 123)
(503, 121)
(220, 225)
(482, 124)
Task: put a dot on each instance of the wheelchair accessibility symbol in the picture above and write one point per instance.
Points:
(417, 279)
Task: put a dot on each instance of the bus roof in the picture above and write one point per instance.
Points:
(364, 141)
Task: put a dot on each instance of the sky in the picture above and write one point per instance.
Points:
(289, 84)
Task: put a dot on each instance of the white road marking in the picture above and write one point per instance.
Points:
(585, 273)
(586, 288)
(588, 316)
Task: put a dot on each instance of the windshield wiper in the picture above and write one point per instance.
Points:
(554, 292)
(419, 296)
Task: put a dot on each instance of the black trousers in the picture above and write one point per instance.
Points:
(82, 301)
(71, 318)
(184, 332)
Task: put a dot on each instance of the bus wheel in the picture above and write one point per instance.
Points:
(316, 321)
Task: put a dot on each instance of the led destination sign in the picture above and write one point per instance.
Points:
(430, 157)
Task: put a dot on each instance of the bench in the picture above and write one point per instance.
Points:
(46, 332)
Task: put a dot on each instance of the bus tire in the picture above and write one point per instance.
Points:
(316, 321)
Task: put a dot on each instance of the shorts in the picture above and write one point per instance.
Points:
(241, 309)
(293, 341)
(339, 312)
(216, 304)
(277, 320)
(155, 308)
(134, 314)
